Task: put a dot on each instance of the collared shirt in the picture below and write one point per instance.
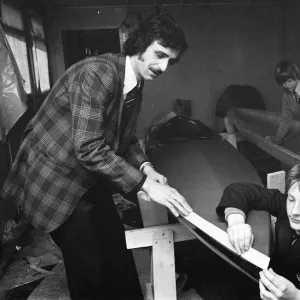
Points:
(130, 80)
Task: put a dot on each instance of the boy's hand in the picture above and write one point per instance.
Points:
(275, 287)
(241, 237)
(239, 233)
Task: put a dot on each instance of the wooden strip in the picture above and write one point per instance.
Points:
(139, 238)
(282, 154)
(255, 257)
(164, 282)
(207, 244)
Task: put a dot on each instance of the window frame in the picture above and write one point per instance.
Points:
(30, 39)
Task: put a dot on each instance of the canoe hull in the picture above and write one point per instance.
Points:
(200, 170)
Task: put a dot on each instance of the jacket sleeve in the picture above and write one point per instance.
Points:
(285, 122)
(90, 99)
(250, 196)
(135, 154)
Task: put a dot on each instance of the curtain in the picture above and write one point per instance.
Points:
(12, 94)
(18, 47)
(41, 68)
(12, 18)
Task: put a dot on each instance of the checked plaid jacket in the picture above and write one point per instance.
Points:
(73, 140)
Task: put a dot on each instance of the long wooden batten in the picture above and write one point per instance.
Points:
(255, 125)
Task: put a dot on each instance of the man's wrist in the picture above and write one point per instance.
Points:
(145, 167)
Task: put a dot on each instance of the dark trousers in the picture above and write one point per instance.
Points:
(92, 241)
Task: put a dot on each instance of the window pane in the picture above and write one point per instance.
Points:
(11, 16)
(41, 65)
(18, 47)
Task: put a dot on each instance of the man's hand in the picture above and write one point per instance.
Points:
(167, 196)
(155, 176)
(239, 233)
(274, 287)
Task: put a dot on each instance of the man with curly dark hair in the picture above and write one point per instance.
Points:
(80, 146)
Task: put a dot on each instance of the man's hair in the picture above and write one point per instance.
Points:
(160, 27)
(293, 176)
(286, 70)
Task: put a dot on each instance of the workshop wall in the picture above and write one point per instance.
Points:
(229, 44)
(291, 31)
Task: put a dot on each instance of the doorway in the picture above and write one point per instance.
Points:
(79, 44)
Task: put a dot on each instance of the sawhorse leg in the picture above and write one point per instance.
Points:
(161, 239)
(163, 266)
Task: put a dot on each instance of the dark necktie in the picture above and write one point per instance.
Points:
(130, 99)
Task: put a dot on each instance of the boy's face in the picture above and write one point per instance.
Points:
(154, 61)
(290, 84)
(293, 206)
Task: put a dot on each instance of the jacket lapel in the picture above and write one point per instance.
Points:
(120, 66)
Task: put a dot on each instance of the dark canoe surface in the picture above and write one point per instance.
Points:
(255, 125)
(201, 169)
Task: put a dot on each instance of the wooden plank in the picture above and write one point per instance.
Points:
(255, 125)
(276, 180)
(164, 281)
(153, 214)
(139, 238)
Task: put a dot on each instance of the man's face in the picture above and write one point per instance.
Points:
(290, 84)
(293, 206)
(154, 61)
